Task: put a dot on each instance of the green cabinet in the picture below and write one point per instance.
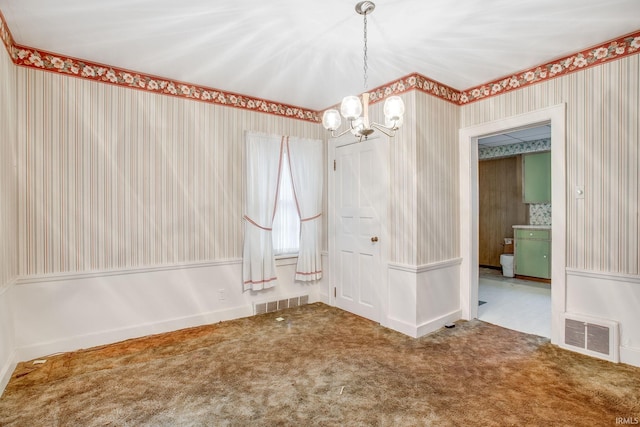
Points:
(533, 252)
(536, 169)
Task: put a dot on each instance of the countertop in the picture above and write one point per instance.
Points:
(534, 227)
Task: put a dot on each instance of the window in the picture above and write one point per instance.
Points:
(286, 224)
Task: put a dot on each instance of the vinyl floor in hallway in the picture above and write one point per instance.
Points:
(516, 304)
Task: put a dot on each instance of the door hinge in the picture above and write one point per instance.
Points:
(334, 164)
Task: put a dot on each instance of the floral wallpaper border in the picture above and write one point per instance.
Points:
(51, 62)
(415, 81)
(48, 61)
(608, 51)
(5, 34)
(485, 153)
(408, 83)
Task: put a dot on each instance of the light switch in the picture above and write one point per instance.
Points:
(579, 192)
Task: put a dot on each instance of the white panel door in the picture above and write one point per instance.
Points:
(360, 195)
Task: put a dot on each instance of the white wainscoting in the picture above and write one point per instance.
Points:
(67, 312)
(325, 288)
(423, 298)
(7, 337)
(609, 296)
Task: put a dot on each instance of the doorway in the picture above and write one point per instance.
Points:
(521, 303)
(469, 208)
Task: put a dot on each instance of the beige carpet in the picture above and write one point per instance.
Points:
(322, 366)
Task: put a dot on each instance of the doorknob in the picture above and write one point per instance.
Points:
(374, 239)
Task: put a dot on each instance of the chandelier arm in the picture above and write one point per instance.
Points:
(394, 127)
(334, 135)
(384, 129)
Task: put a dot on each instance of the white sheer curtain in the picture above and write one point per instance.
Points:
(305, 162)
(262, 171)
(286, 223)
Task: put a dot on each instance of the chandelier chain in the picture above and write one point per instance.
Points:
(356, 109)
(365, 52)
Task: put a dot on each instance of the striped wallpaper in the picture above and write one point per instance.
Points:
(402, 202)
(8, 177)
(437, 180)
(423, 209)
(114, 178)
(603, 155)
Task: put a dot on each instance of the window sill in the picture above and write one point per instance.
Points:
(286, 259)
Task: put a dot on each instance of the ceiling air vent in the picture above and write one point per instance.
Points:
(591, 336)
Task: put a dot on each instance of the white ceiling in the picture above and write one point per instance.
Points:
(309, 54)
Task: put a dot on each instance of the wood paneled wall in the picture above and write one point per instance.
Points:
(8, 172)
(500, 205)
(114, 178)
(603, 156)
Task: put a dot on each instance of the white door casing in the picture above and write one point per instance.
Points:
(468, 166)
(358, 199)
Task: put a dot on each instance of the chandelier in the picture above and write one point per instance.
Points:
(351, 107)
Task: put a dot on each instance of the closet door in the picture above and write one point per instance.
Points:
(359, 197)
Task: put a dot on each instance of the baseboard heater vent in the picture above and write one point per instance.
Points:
(281, 304)
(592, 336)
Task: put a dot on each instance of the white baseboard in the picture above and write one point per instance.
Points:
(402, 326)
(627, 355)
(435, 324)
(6, 372)
(417, 331)
(630, 356)
(7, 342)
(323, 298)
(108, 337)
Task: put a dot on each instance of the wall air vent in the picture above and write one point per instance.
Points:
(277, 305)
(591, 336)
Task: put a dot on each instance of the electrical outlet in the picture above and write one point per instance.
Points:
(221, 294)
